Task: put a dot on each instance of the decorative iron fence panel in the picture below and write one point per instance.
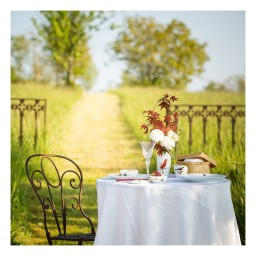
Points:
(205, 112)
(23, 105)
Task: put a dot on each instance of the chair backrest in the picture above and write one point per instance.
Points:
(57, 182)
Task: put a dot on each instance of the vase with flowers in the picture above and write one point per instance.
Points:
(163, 131)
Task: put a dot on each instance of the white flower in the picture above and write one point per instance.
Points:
(156, 135)
(167, 143)
(173, 135)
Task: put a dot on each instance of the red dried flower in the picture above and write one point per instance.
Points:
(165, 124)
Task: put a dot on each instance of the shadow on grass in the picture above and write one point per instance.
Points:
(33, 212)
(31, 231)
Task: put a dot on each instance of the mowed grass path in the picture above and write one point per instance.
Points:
(99, 141)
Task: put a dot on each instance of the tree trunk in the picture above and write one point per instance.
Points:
(37, 68)
(70, 73)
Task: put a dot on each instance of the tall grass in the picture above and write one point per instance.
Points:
(26, 226)
(230, 160)
(59, 103)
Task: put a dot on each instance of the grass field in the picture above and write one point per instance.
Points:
(136, 100)
(59, 103)
(26, 226)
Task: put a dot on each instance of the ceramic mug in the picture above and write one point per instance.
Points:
(180, 169)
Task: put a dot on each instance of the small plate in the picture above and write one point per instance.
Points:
(118, 176)
(201, 177)
(129, 172)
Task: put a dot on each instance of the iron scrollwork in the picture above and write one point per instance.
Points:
(64, 180)
(211, 111)
(23, 105)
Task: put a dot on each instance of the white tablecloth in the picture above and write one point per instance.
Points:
(171, 213)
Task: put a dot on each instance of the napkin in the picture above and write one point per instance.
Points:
(131, 179)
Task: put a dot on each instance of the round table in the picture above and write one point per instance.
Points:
(176, 212)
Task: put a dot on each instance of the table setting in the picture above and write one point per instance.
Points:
(183, 204)
(169, 212)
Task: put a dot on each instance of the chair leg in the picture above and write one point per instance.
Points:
(49, 241)
(80, 242)
(49, 238)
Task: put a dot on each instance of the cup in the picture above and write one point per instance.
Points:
(180, 169)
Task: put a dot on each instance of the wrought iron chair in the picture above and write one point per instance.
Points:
(58, 179)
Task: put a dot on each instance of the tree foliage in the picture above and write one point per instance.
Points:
(234, 83)
(19, 54)
(157, 54)
(214, 86)
(65, 35)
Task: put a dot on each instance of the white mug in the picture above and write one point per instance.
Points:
(180, 169)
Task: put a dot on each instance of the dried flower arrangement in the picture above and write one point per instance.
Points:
(163, 130)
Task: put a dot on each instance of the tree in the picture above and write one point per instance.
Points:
(214, 86)
(65, 34)
(234, 83)
(241, 84)
(40, 65)
(19, 55)
(157, 54)
(15, 78)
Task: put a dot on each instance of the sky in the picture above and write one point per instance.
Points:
(223, 31)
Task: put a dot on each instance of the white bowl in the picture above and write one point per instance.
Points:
(129, 172)
(157, 179)
(193, 160)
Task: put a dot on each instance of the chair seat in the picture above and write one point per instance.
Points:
(75, 237)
